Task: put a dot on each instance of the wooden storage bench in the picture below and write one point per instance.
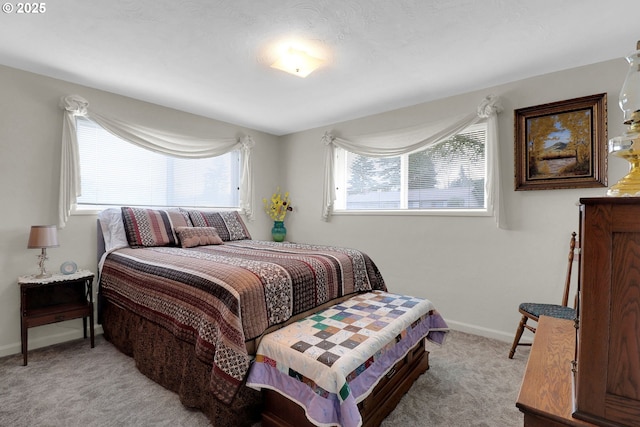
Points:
(280, 411)
(348, 364)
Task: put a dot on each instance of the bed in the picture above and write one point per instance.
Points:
(188, 294)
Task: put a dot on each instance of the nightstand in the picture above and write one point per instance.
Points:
(55, 299)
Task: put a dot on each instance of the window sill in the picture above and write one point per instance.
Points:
(416, 212)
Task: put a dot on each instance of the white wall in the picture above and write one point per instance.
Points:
(475, 273)
(30, 133)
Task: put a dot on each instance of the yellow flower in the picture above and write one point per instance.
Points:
(279, 206)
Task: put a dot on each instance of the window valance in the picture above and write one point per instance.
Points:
(408, 140)
(151, 139)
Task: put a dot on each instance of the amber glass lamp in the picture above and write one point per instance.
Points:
(627, 146)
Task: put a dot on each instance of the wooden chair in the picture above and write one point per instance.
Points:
(533, 311)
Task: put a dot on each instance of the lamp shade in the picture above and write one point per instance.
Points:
(43, 236)
(630, 92)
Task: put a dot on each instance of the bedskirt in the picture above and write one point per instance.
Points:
(173, 364)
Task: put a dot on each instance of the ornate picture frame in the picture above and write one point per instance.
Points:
(562, 144)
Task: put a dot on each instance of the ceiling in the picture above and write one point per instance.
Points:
(212, 57)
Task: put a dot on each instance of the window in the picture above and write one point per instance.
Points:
(448, 176)
(116, 172)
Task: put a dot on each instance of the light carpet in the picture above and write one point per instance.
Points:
(471, 382)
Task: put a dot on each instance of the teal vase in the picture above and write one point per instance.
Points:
(278, 232)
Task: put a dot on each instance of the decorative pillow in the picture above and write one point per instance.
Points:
(179, 218)
(150, 227)
(198, 236)
(228, 224)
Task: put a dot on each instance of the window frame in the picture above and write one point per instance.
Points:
(94, 209)
(340, 173)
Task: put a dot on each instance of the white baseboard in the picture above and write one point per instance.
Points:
(485, 332)
(16, 348)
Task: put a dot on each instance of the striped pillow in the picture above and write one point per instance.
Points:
(151, 227)
(228, 224)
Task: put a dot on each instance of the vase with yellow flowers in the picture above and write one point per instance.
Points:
(277, 209)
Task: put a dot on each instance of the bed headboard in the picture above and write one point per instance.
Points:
(100, 241)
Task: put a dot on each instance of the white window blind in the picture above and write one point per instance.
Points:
(115, 172)
(449, 175)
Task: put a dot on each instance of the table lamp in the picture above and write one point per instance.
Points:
(43, 236)
(627, 146)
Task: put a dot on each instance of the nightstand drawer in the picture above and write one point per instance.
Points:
(45, 316)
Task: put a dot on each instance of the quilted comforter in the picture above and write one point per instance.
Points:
(220, 296)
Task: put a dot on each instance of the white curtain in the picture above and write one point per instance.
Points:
(408, 140)
(152, 139)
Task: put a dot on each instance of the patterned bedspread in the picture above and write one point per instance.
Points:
(220, 296)
(330, 361)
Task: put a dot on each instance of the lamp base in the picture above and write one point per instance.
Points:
(629, 185)
(628, 148)
(43, 271)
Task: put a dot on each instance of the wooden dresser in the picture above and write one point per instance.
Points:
(605, 390)
(608, 362)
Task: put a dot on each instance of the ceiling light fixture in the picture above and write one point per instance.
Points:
(297, 62)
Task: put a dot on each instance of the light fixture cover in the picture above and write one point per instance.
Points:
(297, 62)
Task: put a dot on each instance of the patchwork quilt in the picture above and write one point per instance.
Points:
(220, 296)
(330, 361)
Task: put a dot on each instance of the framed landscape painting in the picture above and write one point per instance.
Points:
(562, 144)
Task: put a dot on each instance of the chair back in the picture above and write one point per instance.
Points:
(567, 284)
